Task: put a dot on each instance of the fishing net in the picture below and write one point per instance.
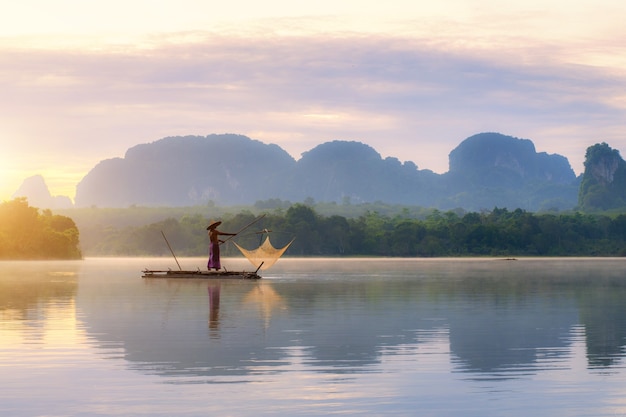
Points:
(265, 255)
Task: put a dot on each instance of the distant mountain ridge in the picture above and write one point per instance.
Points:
(190, 170)
(486, 170)
(483, 155)
(493, 170)
(38, 194)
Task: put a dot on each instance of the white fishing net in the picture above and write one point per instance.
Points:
(265, 255)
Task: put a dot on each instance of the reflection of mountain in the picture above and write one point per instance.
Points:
(344, 326)
(513, 330)
(603, 311)
(498, 320)
(174, 330)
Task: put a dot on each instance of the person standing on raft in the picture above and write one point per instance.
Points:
(214, 245)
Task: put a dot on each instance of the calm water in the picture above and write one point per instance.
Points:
(540, 337)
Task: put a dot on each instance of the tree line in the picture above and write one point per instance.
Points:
(498, 232)
(26, 233)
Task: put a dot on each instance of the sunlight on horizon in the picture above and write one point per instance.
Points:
(61, 181)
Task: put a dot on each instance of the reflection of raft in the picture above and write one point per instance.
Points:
(149, 273)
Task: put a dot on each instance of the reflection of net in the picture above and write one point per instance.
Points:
(266, 254)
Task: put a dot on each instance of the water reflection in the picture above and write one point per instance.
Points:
(31, 300)
(214, 306)
(602, 313)
(20, 291)
(266, 300)
(498, 320)
(489, 319)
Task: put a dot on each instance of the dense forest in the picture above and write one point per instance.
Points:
(498, 232)
(25, 233)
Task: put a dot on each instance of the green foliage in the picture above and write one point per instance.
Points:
(27, 234)
(498, 232)
(603, 185)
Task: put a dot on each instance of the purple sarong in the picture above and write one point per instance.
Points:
(214, 256)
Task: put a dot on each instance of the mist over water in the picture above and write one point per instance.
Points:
(444, 337)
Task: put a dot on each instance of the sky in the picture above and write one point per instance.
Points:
(83, 81)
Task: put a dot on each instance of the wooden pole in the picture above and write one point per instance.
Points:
(168, 245)
(244, 228)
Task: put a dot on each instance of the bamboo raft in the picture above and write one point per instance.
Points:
(150, 273)
(225, 274)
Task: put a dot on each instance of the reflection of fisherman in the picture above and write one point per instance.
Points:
(214, 246)
(214, 306)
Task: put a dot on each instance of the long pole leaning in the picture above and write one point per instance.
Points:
(244, 228)
(168, 245)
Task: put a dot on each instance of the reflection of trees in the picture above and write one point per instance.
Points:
(497, 323)
(166, 331)
(28, 294)
(340, 328)
(21, 293)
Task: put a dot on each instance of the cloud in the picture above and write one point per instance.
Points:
(408, 97)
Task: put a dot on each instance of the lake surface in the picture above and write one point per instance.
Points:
(404, 337)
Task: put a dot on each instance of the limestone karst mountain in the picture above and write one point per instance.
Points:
(603, 185)
(36, 191)
(487, 170)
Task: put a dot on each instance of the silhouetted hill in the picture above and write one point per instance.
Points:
(36, 191)
(493, 159)
(486, 170)
(184, 171)
(343, 171)
(493, 170)
(603, 185)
